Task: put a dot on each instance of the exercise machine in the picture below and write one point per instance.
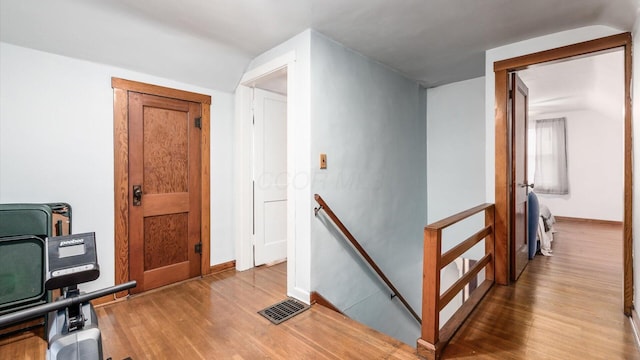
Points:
(72, 325)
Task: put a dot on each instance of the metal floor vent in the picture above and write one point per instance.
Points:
(283, 310)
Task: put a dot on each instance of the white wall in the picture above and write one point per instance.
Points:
(370, 121)
(56, 144)
(455, 167)
(455, 147)
(595, 161)
(636, 165)
(517, 49)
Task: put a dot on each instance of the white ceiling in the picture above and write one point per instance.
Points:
(211, 42)
(595, 83)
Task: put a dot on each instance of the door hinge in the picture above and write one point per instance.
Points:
(198, 248)
(198, 122)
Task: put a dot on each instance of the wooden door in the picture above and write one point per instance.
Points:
(270, 177)
(164, 190)
(519, 95)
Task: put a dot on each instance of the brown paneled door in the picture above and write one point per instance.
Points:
(164, 190)
(519, 117)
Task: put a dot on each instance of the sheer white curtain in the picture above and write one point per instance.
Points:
(551, 157)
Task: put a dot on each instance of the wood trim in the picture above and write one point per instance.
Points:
(502, 214)
(446, 222)
(564, 52)
(121, 191)
(432, 251)
(121, 87)
(628, 182)
(143, 88)
(215, 269)
(453, 324)
(431, 340)
(457, 286)
(490, 244)
(36, 325)
(501, 69)
(461, 248)
(316, 298)
(583, 220)
(103, 300)
(205, 192)
(432, 351)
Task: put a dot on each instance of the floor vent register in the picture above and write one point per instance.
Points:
(283, 310)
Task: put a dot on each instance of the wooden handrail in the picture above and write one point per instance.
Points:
(363, 253)
(456, 218)
(433, 339)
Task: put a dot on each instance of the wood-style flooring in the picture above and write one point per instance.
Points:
(568, 306)
(215, 317)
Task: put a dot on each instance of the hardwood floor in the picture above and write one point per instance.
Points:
(216, 318)
(568, 306)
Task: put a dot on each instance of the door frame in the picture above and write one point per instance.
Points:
(298, 199)
(121, 87)
(502, 163)
(513, 85)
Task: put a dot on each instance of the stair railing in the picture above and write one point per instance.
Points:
(433, 339)
(395, 293)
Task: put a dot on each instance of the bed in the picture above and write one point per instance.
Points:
(540, 227)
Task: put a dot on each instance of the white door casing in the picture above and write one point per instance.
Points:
(299, 198)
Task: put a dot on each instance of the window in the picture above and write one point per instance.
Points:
(551, 157)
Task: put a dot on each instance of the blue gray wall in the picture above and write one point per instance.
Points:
(371, 123)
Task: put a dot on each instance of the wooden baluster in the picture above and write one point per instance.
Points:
(489, 242)
(430, 293)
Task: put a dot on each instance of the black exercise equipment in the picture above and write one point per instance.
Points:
(72, 326)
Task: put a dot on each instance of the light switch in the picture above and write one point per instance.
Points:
(323, 161)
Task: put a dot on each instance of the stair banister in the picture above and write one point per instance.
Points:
(347, 234)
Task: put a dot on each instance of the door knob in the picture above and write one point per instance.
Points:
(137, 195)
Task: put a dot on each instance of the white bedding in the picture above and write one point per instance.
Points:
(545, 231)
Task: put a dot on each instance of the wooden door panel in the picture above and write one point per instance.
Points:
(165, 240)
(164, 159)
(166, 150)
(519, 118)
(167, 275)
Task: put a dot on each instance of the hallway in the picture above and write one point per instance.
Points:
(568, 306)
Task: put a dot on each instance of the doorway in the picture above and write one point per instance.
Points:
(298, 199)
(152, 210)
(503, 164)
(270, 176)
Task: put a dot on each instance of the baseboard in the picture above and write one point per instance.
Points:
(583, 220)
(320, 300)
(215, 269)
(103, 300)
(222, 267)
(34, 325)
(635, 326)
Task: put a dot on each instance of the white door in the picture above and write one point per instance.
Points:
(270, 177)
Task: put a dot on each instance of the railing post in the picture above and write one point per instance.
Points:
(489, 242)
(428, 343)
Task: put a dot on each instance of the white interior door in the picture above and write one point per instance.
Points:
(270, 177)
